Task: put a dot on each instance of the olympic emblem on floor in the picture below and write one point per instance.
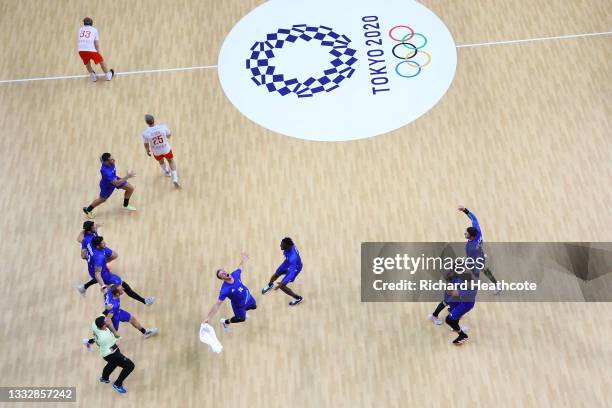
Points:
(264, 73)
(407, 51)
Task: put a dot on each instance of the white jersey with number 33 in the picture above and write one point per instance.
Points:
(87, 36)
(157, 138)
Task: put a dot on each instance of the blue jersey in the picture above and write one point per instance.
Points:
(97, 258)
(474, 248)
(292, 262)
(86, 243)
(109, 174)
(237, 292)
(110, 300)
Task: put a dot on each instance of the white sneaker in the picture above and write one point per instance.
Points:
(110, 74)
(435, 319)
(93, 76)
(167, 173)
(226, 327)
(151, 332)
(87, 345)
(149, 301)
(267, 289)
(81, 289)
(176, 183)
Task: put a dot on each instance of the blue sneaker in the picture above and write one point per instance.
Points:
(103, 380)
(120, 390)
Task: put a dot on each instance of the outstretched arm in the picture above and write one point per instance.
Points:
(243, 260)
(213, 310)
(471, 216)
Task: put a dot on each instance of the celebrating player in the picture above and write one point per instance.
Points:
(89, 232)
(109, 182)
(98, 256)
(155, 139)
(89, 49)
(239, 294)
(291, 267)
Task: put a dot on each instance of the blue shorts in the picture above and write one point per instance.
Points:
(108, 278)
(240, 311)
(289, 276)
(457, 310)
(106, 190)
(120, 316)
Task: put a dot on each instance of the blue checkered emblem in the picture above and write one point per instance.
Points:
(264, 73)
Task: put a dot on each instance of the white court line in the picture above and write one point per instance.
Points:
(559, 37)
(149, 71)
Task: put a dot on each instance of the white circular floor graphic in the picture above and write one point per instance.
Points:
(334, 70)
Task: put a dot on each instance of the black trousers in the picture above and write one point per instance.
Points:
(114, 360)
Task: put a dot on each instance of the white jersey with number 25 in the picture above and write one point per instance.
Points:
(157, 138)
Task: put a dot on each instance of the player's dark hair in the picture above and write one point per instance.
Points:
(97, 240)
(472, 231)
(88, 225)
(219, 270)
(100, 322)
(87, 21)
(114, 289)
(286, 243)
(149, 119)
(105, 157)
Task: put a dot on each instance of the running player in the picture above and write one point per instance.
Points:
(291, 267)
(89, 49)
(89, 232)
(109, 182)
(97, 260)
(155, 139)
(237, 292)
(115, 315)
(474, 248)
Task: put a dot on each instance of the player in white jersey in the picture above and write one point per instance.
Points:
(155, 139)
(89, 49)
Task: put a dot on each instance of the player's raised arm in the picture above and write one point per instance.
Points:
(472, 217)
(244, 257)
(80, 237)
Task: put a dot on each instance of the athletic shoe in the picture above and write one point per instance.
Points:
(295, 302)
(267, 289)
(86, 344)
(93, 76)
(225, 326)
(129, 207)
(497, 292)
(104, 380)
(81, 289)
(151, 332)
(167, 173)
(120, 390)
(150, 300)
(176, 183)
(435, 319)
(89, 214)
(462, 338)
(112, 74)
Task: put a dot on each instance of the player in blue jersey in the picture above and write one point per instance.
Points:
(448, 299)
(115, 315)
(291, 267)
(237, 292)
(464, 301)
(474, 248)
(109, 182)
(97, 262)
(89, 232)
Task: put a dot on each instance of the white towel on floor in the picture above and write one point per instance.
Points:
(208, 336)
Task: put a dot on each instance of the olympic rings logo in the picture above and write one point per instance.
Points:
(407, 51)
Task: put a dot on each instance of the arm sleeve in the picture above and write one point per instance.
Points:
(475, 223)
(222, 295)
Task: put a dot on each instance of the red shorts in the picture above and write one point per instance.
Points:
(168, 155)
(91, 55)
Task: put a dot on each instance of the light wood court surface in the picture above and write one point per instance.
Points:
(522, 138)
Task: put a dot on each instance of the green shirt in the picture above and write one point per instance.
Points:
(105, 339)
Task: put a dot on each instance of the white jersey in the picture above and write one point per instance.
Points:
(157, 138)
(87, 36)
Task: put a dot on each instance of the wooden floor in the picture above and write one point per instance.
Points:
(523, 138)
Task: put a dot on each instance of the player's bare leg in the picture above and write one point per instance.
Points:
(173, 172)
(270, 284)
(138, 326)
(108, 72)
(89, 210)
(129, 189)
(296, 298)
(164, 167)
(92, 73)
